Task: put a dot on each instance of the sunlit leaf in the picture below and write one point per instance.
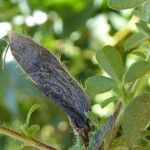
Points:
(99, 84)
(124, 4)
(108, 101)
(135, 118)
(136, 70)
(110, 61)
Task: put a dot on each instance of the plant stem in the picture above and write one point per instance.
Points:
(25, 139)
(121, 34)
(117, 110)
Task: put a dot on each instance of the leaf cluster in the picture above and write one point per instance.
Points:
(126, 82)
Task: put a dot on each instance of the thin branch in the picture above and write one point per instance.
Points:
(121, 34)
(25, 139)
(111, 134)
(117, 110)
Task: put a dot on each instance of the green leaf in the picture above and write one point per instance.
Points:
(93, 118)
(34, 129)
(143, 27)
(24, 129)
(139, 54)
(99, 84)
(124, 4)
(118, 144)
(78, 145)
(135, 118)
(97, 138)
(143, 12)
(110, 61)
(144, 142)
(135, 40)
(32, 109)
(136, 70)
(146, 12)
(109, 100)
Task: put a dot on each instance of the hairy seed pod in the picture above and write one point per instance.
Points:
(53, 80)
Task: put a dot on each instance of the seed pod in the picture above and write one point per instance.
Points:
(53, 80)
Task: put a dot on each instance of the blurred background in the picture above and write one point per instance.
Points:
(73, 30)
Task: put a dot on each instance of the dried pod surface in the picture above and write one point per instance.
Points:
(52, 79)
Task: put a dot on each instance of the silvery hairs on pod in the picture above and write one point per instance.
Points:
(53, 80)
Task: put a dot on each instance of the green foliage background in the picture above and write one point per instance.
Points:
(73, 30)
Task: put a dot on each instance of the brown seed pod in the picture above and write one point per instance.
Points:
(53, 80)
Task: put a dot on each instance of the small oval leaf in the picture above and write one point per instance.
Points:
(99, 84)
(136, 70)
(124, 4)
(108, 101)
(134, 40)
(110, 61)
(34, 129)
